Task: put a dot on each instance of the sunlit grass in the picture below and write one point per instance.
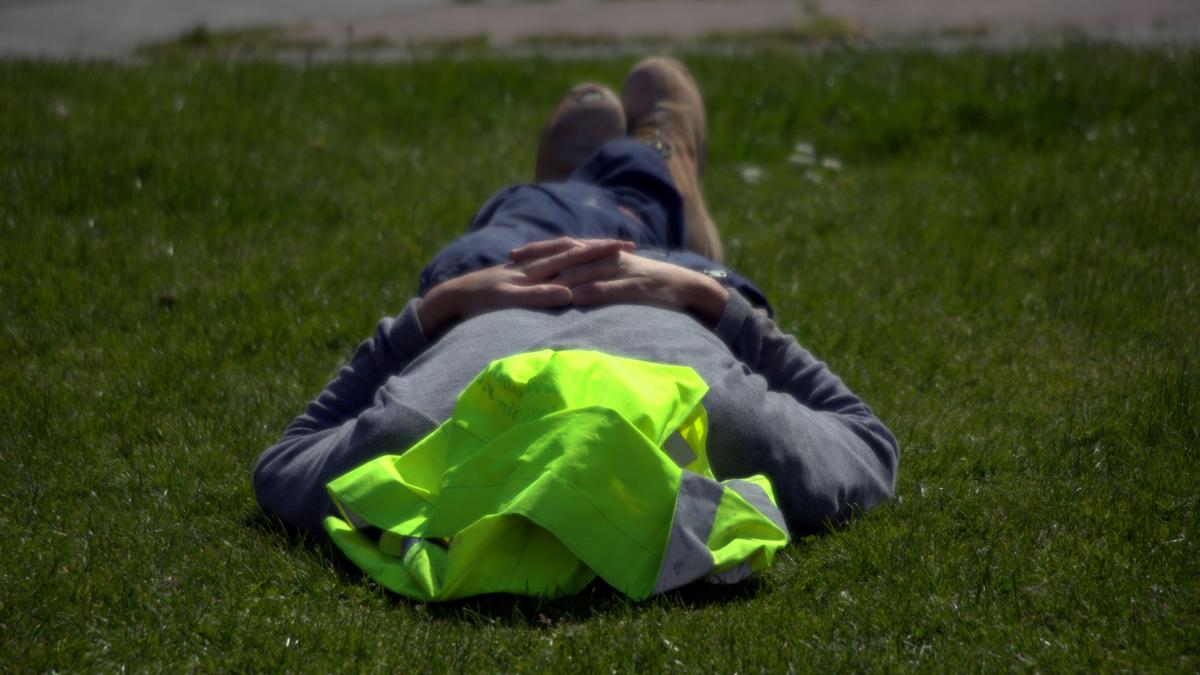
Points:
(1003, 263)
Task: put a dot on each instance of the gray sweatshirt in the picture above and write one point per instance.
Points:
(773, 409)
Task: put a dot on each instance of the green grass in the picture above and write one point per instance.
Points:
(1005, 267)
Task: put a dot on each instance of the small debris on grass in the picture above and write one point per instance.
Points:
(803, 154)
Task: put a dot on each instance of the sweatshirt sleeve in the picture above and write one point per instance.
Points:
(826, 454)
(353, 420)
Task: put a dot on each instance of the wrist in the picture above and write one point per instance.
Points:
(436, 309)
(708, 299)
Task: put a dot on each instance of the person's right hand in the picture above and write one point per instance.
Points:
(527, 281)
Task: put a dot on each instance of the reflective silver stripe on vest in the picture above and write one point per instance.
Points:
(758, 498)
(733, 575)
(355, 519)
(678, 450)
(688, 557)
(407, 545)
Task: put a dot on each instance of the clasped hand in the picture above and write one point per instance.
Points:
(567, 271)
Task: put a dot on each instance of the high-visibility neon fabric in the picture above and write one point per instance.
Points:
(556, 467)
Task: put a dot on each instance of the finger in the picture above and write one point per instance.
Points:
(541, 249)
(607, 292)
(604, 268)
(548, 247)
(544, 268)
(540, 296)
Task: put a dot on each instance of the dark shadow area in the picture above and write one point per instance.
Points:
(598, 599)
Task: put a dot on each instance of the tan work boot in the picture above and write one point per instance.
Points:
(664, 110)
(587, 117)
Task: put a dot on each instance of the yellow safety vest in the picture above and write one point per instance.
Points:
(556, 467)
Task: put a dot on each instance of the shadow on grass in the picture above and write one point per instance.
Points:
(598, 599)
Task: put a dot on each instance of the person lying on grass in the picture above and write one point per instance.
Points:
(612, 250)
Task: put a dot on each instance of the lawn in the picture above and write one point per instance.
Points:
(1000, 256)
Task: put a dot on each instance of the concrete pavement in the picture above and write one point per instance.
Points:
(115, 28)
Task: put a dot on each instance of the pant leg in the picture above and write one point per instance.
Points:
(638, 178)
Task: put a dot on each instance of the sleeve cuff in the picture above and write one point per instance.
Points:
(737, 317)
(406, 334)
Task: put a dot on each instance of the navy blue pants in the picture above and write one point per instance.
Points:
(623, 191)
